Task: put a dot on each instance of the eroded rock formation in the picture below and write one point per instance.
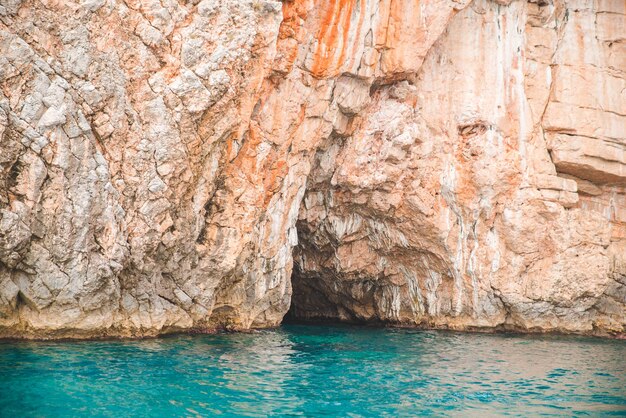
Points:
(165, 165)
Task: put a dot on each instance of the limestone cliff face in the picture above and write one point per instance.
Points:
(167, 165)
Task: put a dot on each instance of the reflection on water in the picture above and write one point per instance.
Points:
(314, 370)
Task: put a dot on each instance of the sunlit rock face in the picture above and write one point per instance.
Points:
(486, 188)
(448, 163)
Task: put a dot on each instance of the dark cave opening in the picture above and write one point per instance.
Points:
(309, 301)
(305, 299)
(320, 293)
(317, 300)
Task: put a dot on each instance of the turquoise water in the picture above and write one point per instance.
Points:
(316, 370)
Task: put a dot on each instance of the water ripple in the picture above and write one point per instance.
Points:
(313, 370)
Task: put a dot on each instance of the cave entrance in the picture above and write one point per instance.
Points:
(319, 296)
(309, 302)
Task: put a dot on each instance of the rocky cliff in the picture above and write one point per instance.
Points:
(181, 165)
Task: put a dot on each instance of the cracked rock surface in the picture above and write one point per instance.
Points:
(182, 165)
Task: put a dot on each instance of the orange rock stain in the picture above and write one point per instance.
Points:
(333, 36)
(290, 33)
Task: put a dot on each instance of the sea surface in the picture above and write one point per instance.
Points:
(303, 370)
